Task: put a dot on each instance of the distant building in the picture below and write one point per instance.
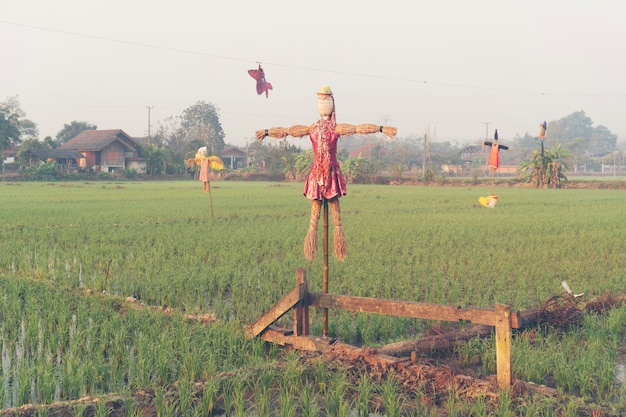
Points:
(107, 151)
(233, 157)
(67, 160)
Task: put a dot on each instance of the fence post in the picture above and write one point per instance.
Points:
(301, 310)
(503, 345)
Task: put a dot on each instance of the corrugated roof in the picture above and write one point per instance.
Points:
(96, 140)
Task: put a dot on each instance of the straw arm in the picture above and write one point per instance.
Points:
(343, 129)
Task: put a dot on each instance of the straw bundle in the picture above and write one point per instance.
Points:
(368, 128)
(345, 129)
(260, 134)
(298, 131)
(389, 131)
(364, 129)
(278, 132)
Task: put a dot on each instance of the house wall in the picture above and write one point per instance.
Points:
(89, 161)
(113, 158)
(139, 166)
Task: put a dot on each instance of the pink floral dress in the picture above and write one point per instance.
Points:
(325, 180)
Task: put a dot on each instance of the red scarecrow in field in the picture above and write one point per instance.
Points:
(494, 163)
(325, 182)
(494, 153)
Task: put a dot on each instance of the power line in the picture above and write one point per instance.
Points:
(315, 69)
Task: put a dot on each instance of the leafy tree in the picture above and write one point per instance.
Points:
(358, 170)
(547, 170)
(8, 132)
(576, 133)
(155, 157)
(26, 146)
(71, 130)
(201, 123)
(13, 126)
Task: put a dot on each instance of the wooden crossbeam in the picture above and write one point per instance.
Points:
(273, 314)
(484, 316)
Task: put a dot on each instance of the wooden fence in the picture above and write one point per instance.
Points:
(300, 299)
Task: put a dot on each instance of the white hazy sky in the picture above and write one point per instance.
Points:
(457, 69)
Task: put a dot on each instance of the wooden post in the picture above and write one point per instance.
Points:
(503, 345)
(301, 310)
(325, 282)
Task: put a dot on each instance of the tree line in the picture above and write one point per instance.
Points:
(177, 138)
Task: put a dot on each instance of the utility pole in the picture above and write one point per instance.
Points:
(149, 138)
(486, 138)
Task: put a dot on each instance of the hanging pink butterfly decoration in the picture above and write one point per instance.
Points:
(261, 84)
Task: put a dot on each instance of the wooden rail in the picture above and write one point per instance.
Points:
(300, 299)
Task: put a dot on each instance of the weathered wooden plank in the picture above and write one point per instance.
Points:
(273, 314)
(438, 343)
(287, 338)
(404, 308)
(503, 346)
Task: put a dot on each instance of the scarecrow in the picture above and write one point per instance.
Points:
(325, 183)
(494, 163)
(205, 162)
(494, 153)
(542, 134)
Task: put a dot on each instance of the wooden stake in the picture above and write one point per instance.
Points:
(503, 346)
(325, 282)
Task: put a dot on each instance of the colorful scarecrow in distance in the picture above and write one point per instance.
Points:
(325, 181)
(542, 134)
(494, 164)
(494, 153)
(205, 162)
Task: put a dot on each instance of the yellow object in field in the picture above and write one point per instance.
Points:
(489, 201)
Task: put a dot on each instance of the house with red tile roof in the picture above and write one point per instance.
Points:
(107, 151)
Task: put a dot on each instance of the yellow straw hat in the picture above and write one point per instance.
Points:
(325, 90)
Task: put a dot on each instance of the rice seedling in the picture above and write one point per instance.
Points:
(393, 400)
(210, 392)
(262, 399)
(287, 401)
(102, 409)
(309, 402)
(505, 404)
(365, 390)
(185, 394)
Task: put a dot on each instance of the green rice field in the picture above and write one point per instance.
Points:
(71, 253)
